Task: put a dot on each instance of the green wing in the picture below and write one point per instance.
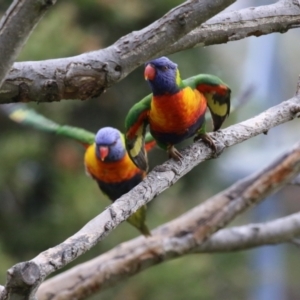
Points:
(217, 95)
(21, 114)
(135, 124)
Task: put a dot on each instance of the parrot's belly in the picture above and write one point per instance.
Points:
(117, 189)
(175, 138)
(173, 118)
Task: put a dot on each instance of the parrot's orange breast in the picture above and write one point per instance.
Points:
(110, 172)
(176, 113)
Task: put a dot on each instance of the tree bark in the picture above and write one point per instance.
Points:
(15, 28)
(88, 75)
(232, 26)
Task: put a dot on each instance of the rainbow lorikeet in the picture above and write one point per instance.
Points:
(175, 110)
(108, 162)
(106, 159)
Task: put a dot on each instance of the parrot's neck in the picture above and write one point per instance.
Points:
(159, 89)
(166, 85)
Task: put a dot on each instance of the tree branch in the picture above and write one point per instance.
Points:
(212, 215)
(232, 26)
(279, 231)
(88, 75)
(126, 259)
(15, 27)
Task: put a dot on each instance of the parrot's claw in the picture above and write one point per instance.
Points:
(207, 140)
(174, 153)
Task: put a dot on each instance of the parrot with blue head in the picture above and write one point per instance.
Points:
(108, 162)
(106, 159)
(175, 110)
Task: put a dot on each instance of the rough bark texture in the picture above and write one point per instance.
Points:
(21, 282)
(88, 75)
(211, 216)
(16, 26)
(126, 259)
(233, 26)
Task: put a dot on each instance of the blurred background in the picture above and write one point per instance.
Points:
(45, 195)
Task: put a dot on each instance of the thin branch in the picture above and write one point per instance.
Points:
(126, 259)
(88, 75)
(279, 231)
(15, 27)
(215, 214)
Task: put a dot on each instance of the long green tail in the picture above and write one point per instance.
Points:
(138, 220)
(21, 114)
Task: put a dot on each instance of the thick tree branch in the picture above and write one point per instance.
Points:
(213, 215)
(125, 260)
(87, 75)
(15, 27)
(233, 26)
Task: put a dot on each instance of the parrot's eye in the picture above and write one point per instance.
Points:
(164, 68)
(114, 143)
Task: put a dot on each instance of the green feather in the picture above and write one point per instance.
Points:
(81, 135)
(216, 93)
(136, 110)
(135, 146)
(21, 114)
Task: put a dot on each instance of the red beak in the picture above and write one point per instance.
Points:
(103, 151)
(149, 72)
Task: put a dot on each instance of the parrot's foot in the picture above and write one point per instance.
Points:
(174, 153)
(207, 140)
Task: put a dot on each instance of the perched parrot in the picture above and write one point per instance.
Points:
(106, 159)
(175, 110)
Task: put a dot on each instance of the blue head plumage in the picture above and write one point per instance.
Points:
(161, 74)
(109, 144)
